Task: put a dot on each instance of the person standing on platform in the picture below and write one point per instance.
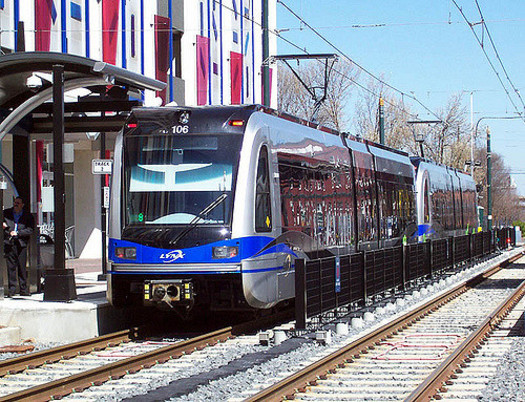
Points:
(18, 226)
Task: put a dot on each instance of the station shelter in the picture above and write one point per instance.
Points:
(56, 103)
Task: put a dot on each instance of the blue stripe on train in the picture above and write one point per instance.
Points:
(248, 247)
(171, 273)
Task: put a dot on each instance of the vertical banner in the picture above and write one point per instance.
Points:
(110, 17)
(162, 44)
(203, 56)
(45, 14)
(236, 77)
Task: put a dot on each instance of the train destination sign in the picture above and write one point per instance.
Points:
(101, 166)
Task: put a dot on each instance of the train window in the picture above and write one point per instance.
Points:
(263, 209)
(426, 203)
(172, 181)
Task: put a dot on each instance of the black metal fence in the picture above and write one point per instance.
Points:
(326, 284)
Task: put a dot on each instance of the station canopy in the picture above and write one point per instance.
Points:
(102, 94)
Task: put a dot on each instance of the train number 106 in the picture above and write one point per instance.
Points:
(180, 129)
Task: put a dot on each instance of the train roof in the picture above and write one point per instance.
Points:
(417, 160)
(221, 114)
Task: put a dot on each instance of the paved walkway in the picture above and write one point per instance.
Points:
(82, 266)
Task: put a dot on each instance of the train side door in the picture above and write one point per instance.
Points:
(263, 200)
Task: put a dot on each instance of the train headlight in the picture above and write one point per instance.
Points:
(225, 251)
(126, 253)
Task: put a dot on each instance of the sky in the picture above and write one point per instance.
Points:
(426, 48)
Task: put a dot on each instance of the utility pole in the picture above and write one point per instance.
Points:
(472, 134)
(489, 182)
(381, 121)
(266, 55)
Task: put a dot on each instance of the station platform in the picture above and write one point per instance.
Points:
(31, 318)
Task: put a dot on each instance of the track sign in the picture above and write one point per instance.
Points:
(101, 166)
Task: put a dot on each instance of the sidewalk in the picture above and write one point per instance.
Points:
(82, 266)
(89, 315)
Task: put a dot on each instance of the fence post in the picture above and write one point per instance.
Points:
(300, 294)
(365, 293)
(430, 255)
(404, 264)
(470, 249)
(453, 252)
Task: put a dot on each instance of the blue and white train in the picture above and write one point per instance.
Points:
(210, 206)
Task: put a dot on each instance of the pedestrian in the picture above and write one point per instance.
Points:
(18, 226)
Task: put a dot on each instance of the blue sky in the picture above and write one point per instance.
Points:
(427, 48)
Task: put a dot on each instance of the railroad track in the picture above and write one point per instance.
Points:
(48, 374)
(419, 351)
(466, 371)
(470, 379)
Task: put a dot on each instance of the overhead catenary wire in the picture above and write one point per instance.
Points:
(303, 50)
(497, 55)
(337, 49)
(480, 42)
(396, 24)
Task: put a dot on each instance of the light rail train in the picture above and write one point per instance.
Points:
(210, 206)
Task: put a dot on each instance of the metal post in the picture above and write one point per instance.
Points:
(266, 55)
(381, 122)
(300, 294)
(489, 182)
(453, 252)
(365, 293)
(3, 267)
(470, 248)
(60, 282)
(430, 256)
(403, 265)
(103, 225)
(20, 37)
(472, 134)
(58, 167)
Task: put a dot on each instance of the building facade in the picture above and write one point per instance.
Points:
(209, 52)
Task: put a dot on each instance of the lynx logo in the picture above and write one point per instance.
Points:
(172, 256)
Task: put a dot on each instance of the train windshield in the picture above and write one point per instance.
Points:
(180, 180)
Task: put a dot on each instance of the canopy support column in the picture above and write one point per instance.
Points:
(59, 282)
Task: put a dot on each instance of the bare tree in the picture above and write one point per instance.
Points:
(449, 142)
(398, 134)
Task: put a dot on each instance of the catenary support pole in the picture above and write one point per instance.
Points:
(266, 55)
(381, 121)
(489, 182)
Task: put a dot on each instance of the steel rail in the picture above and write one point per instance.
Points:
(97, 376)
(32, 360)
(78, 382)
(286, 388)
(438, 380)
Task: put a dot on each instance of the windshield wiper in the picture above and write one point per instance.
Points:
(214, 204)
